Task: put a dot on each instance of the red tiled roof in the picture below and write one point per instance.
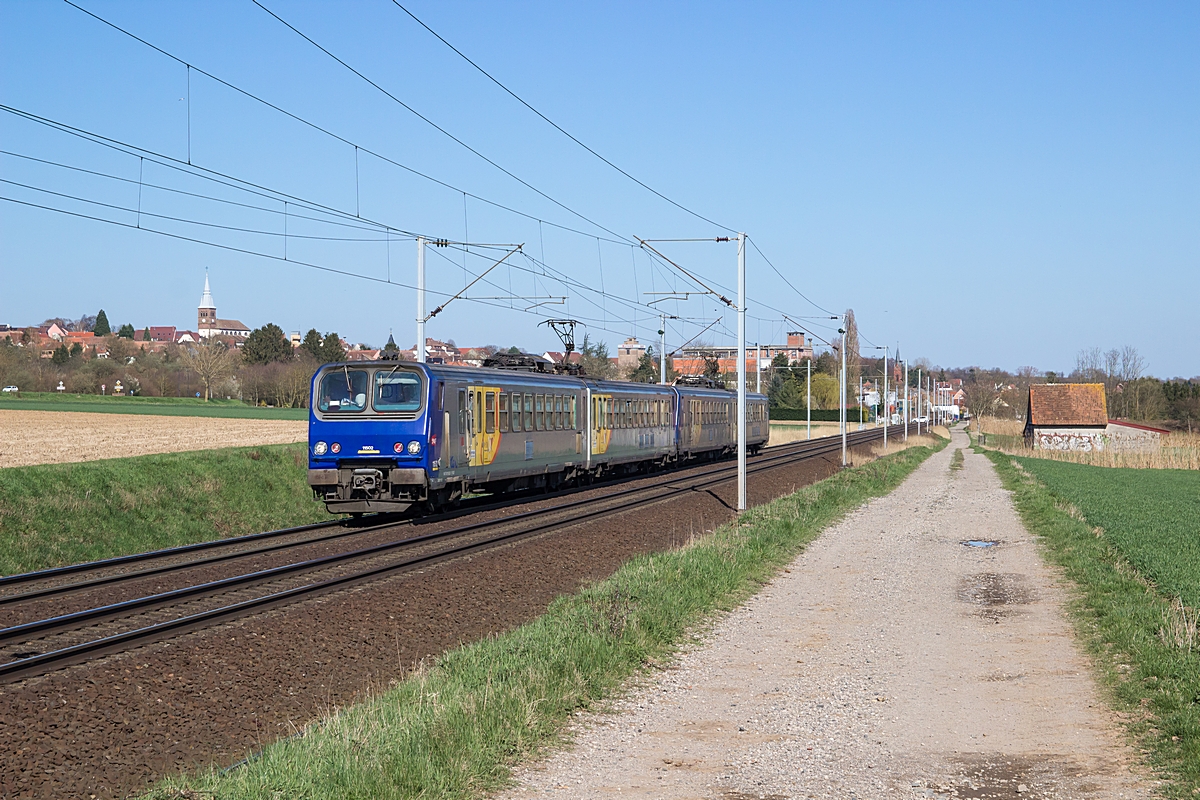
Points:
(1067, 404)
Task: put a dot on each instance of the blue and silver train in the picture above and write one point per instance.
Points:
(384, 436)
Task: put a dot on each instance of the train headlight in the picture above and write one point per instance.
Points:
(335, 448)
(320, 448)
(414, 447)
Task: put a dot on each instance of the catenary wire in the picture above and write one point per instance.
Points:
(555, 125)
(144, 213)
(430, 122)
(342, 139)
(355, 225)
(320, 207)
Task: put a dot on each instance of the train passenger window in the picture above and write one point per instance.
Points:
(477, 413)
(503, 413)
(609, 412)
(528, 412)
(538, 411)
(571, 410)
(489, 412)
(397, 390)
(343, 390)
(558, 412)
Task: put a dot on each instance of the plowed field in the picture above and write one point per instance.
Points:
(57, 437)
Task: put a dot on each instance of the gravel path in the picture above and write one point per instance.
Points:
(58, 437)
(890, 660)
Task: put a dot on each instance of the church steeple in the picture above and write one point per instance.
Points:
(206, 314)
(206, 300)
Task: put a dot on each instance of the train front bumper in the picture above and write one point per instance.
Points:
(361, 489)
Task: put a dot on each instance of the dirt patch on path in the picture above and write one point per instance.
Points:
(59, 437)
(891, 660)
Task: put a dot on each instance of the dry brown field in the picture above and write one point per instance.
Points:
(58, 437)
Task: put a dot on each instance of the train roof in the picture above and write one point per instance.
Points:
(533, 376)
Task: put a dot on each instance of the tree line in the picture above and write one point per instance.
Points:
(265, 370)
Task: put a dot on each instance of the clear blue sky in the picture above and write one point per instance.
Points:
(998, 184)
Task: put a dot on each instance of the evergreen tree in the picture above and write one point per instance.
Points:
(266, 345)
(146, 334)
(313, 345)
(332, 349)
(646, 370)
(76, 349)
(593, 358)
(126, 331)
(101, 328)
(61, 355)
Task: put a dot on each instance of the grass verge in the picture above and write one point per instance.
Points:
(57, 514)
(1113, 536)
(164, 406)
(456, 728)
(956, 460)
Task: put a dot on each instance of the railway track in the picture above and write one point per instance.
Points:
(43, 645)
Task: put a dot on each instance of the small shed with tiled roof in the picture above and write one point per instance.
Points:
(1066, 416)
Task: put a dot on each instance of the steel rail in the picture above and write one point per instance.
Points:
(123, 608)
(124, 577)
(41, 663)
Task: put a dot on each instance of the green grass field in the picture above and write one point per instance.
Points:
(1151, 516)
(168, 406)
(57, 514)
(455, 729)
(1127, 539)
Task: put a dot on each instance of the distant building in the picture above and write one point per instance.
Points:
(559, 357)
(797, 351)
(437, 352)
(207, 323)
(1066, 416)
(629, 354)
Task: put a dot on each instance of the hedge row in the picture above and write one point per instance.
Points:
(818, 414)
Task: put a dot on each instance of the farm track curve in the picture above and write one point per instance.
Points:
(206, 687)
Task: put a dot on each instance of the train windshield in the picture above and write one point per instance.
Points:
(397, 390)
(343, 390)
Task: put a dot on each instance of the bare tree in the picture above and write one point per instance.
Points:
(1089, 365)
(212, 361)
(981, 398)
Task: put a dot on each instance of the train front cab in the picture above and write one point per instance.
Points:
(370, 441)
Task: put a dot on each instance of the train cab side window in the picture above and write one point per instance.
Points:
(528, 412)
(503, 413)
(571, 410)
(489, 412)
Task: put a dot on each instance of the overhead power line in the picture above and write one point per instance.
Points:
(437, 127)
(241, 184)
(556, 126)
(337, 137)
